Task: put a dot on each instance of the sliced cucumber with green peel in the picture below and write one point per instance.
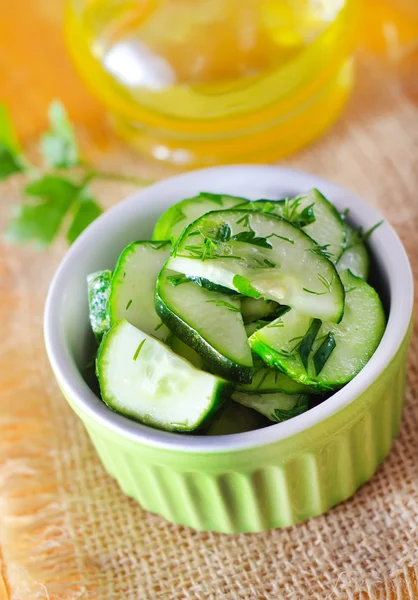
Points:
(276, 407)
(209, 322)
(133, 287)
(141, 378)
(98, 285)
(325, 355)
(328, 229)
(186, 352)
(268, 381)
(253, 310)
(213, 287)
(313, 213)
(261, 255)
(172, 222)
(236, 418)
(355, 257)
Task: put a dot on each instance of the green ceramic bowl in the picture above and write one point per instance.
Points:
(272, 477)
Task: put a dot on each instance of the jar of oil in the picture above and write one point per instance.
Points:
(197, 82)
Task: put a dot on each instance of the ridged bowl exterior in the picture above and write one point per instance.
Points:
(254, 481)
(263, 487)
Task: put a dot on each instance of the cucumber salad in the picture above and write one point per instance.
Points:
(235, 315)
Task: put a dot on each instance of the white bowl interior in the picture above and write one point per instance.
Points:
(67, 332)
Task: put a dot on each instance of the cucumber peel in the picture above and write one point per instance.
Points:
(209, 322)
(133, 287)
(261, 255)
(337, 352)
(141, 378)
(98, 286)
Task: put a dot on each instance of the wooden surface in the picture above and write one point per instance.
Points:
(34, 69)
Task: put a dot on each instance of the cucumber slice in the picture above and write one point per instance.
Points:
(253, 310)
(334, 354)
(133, 287)
(268, 381)
(235, 418)
(313, 213)
(251, 327)
(276, 407)
(182, 349)
(141, 378)
(174, 220)
(208, 322)
(213, 287)
(98, 285)
(355, 257)
(328, 229)
(261, 255)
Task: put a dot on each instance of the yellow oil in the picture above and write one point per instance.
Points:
(212, 81)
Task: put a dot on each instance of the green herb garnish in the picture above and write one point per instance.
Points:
(324, 352)
(158, 326)
(280, 237)
(245, 220)
(51, 200)
(138, 350)
(269, 263)
(264, 375)
(59, 145)
(224, 233)
(249, 237)
(313, 292)
(227, 305)
(283, 415)
(308, 339)
(361, 237)
(129, 304)
(320, 251)
(276, 323)
(244, 287)
(324, 281)
(261, 323)
(176, 280)
(300, 219)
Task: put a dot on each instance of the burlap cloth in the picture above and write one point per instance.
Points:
(67, 531)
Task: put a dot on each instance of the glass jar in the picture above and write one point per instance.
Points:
(199, 82)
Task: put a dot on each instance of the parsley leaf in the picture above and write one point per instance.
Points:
(308, 339)
(50, 187)
(324, 352)
(249, 237)
(244, 287)
(40, 221)
(59, 146)
(9, 162)
(88, 210)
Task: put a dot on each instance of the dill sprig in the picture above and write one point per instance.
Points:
(320, 251)
(223, 303)
(361, 237)
(138, 350)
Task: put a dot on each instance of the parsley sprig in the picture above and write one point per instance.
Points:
(56, 193)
